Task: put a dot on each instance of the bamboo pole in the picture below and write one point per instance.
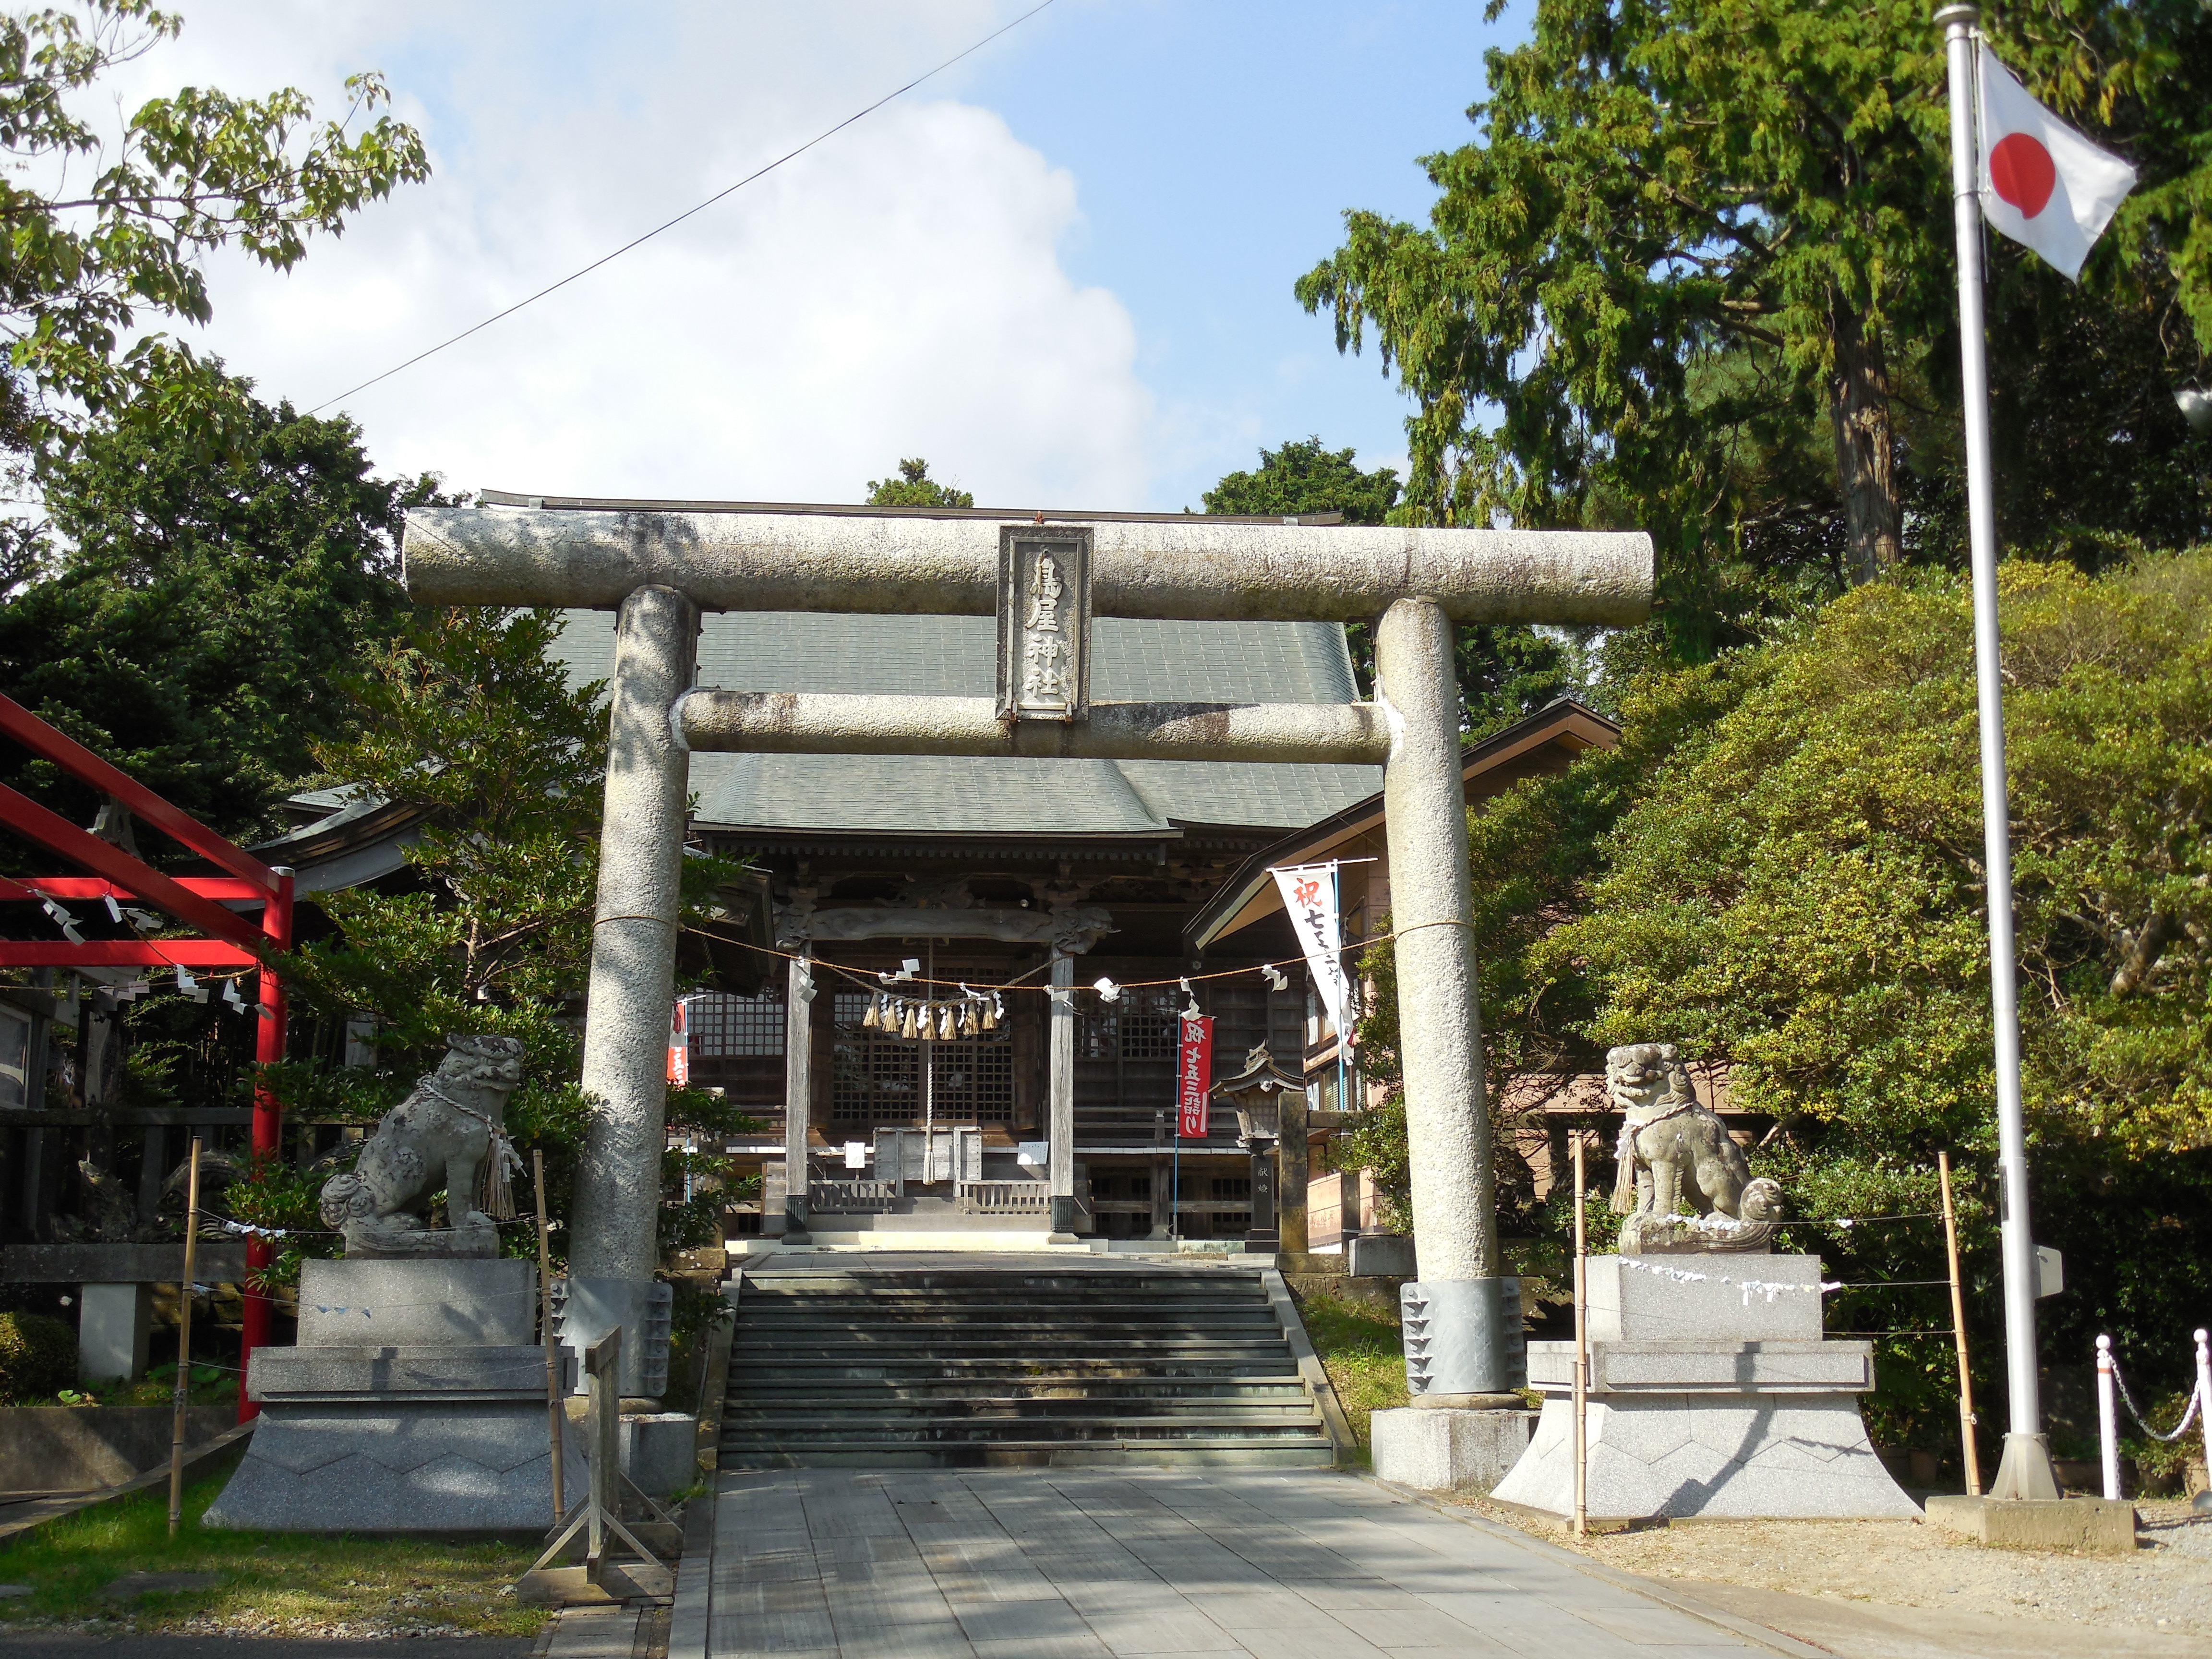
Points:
(554, 1412)
(1581, 1354)
(184, 1345)
(1973, 1455)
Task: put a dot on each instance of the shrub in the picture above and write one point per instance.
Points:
(38, 1358)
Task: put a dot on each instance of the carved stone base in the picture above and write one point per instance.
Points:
(404, 1238)
(1689, 1235)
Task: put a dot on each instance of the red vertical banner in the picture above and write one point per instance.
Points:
(1194, 1077)
(679, 1046)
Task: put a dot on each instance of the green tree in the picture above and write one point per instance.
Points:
(1779, 869)
(200, 592)
(1304, 477)
(913, 487)
(469, 719)
(99, 234)
(1696, 241)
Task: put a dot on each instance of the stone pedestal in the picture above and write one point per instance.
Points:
(1446, 1450)
(2100, 1526)
(1707, 1399)
(414, 1402)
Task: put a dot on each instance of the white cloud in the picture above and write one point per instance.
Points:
(897, 291)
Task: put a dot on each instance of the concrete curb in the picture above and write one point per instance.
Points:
(1759, 1635)
(1310, 1366)
(196, 1459)
(687, 1613)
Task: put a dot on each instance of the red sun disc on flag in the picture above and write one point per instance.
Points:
(2021, 172)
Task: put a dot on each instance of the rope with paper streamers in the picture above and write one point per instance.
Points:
(251, 1230)
(1272, 970)
(1750, 1287)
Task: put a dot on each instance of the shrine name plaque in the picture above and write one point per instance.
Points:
(1044, 623)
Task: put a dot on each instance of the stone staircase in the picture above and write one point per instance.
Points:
(962, 1365)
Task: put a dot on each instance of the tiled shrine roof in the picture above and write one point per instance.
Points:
(956, 656)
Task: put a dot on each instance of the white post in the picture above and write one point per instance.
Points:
(2025, 1470)
(2204, 1409)
(2108, 1426)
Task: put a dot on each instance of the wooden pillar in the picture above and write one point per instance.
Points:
(1061, 1097)
(797, 1088)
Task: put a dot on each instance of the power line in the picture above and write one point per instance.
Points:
(701, 207)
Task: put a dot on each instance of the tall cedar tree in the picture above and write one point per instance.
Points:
(1697, 242)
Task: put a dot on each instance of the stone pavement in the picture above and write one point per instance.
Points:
(1085, 1563)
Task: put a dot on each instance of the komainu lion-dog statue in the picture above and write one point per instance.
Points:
(450, 1132)
(1673, 1149)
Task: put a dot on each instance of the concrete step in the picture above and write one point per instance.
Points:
(1118, 1317)
(1007, 1339)
(844, 1413)
(1039, 1453)
(960, 1367)
(1036, 1352)
(829, 1392)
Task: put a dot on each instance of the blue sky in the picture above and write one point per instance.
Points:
(1062, 271)
(1217, 146)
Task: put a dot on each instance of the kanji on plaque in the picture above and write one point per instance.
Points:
(1194, 1077)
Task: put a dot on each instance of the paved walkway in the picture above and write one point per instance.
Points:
(832, 1563)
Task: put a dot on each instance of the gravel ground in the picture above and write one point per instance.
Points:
(2164, 1588)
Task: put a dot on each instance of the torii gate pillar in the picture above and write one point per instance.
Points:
(1044, 583)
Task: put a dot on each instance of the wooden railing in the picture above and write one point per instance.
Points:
(1004, 1197)
(851, 1197)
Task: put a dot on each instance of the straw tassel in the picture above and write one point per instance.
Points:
(495, 1198)
(906, 1027)
(1624, 1180)
(944, 1025)
(869, 1021)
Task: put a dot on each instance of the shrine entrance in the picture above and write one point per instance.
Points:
(1047, 580)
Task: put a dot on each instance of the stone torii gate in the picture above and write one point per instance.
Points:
(1044, 581)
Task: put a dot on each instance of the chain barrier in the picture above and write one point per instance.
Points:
(2196, 1399)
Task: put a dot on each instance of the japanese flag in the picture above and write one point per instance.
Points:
(2042, 183)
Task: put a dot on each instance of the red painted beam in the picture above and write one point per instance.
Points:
(58, 834)
(99, 887)
(268, 1135)
(73, 757)
(124, 953)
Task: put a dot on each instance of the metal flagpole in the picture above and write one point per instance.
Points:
(2025, 1470)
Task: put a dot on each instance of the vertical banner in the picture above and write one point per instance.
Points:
(1310, 895)
(679, 1045)
(1194, 1077)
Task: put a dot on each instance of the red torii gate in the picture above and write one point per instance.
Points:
(231, 940)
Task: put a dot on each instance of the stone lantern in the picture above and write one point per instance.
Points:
(1271, 1111)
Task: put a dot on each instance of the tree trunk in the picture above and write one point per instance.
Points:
(1858, 411)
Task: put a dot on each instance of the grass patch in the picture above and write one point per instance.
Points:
(267, 1583)
(1361, 1349)
(211, 1385)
